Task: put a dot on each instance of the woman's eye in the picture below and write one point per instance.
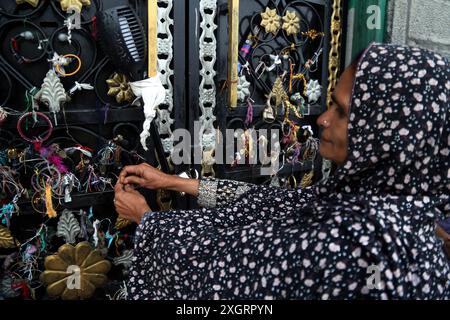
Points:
(339, 110)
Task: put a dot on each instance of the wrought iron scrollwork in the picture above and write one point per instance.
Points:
(283, 72)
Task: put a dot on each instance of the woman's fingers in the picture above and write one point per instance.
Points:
(118, 188)
(121, 207)
(130, 170)
(134, 180)
(130, 189)
(129, 203)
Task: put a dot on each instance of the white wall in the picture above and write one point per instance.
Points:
(422, 23)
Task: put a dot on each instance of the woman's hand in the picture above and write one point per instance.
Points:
(129, 203)
(145, 176)
(445, 237)
(447, 247)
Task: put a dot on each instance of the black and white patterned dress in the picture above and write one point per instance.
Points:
(378, 209)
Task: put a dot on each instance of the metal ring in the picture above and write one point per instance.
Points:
(58, 67)
(43, 116)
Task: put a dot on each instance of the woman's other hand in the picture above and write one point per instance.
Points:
(129, 203)
(146, 176)
(445, 237)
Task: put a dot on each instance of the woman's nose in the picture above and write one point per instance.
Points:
(324, 120)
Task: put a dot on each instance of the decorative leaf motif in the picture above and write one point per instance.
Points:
(278, 92)
(52, 92)
(7, 241)
(68, 227)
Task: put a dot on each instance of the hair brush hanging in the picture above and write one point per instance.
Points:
(122, 37)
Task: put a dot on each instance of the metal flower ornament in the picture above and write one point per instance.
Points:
(313, 91)
(291, 23)
(271, 21)
(74, 273)
(243, 88)
(119, 88)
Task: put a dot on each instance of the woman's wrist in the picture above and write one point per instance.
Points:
(143, 208)
(188, 186)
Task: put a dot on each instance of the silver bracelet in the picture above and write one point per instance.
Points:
(207, 193)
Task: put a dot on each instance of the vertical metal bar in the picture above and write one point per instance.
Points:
(222, 57)
(152, 38)
(233, 50)
(193, 74)
(180, 78)
(180, 56)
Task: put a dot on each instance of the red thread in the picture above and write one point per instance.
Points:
(24, 287)
(37, 146)
(14, 43)
(79, 146)
(94, 27)
(38, 114)
(57, 161)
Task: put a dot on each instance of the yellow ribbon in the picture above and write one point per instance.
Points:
(51, 213)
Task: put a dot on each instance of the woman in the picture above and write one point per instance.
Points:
(367, 232)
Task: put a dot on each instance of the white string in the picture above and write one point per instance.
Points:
(80, 86)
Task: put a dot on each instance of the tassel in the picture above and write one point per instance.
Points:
(52, 158)
(57, 161)
(51, 213)
(296, 153)
(245, 50)
(307, 180)
(95, 236)
(249, 118)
